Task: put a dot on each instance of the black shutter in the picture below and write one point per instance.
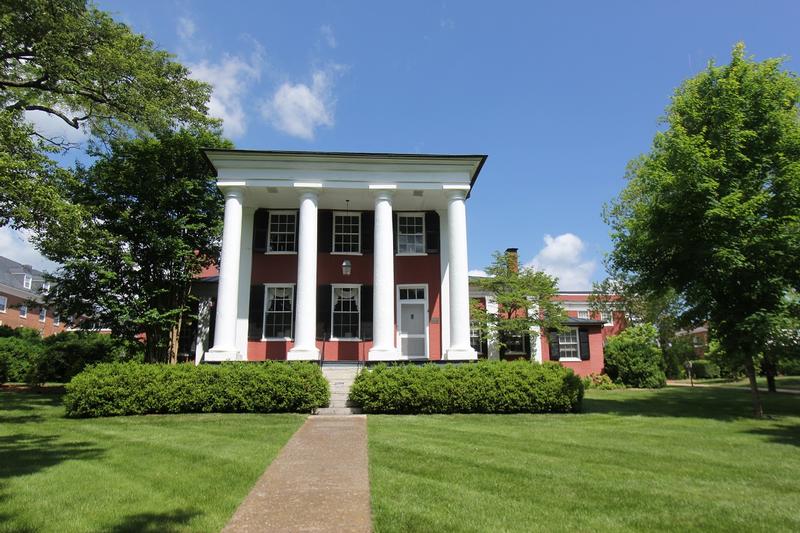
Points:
(255, 319)
(260, 229)
(324, 312)
(583, 338)
(431, 232)
(485, 347)
(366, 312)
(367, 231)
(554, 355)
(526, 343)
(394, 230)
(296, 231)
(325, 231)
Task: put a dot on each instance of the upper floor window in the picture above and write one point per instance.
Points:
(278, 308)
(42, 314)
(46, 287)
(56, 319)
(410, 233)
(568, 343)
(3, 304)
(346, 312)
(583, 314)
(347, 233)
(282, 231)
(23, 311)
(607, 317)
(27, 281)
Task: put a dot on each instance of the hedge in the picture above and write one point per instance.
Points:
(634, 359)
(482, 387)
(112, 389)
(705, 369)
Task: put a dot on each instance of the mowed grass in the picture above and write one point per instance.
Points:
(781, 382)
(669, 460)
(143, 473)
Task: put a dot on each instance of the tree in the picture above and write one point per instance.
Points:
(713, 210)
(71, 61)
(152, 221)
(525, 299)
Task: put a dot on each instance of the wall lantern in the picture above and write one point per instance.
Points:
(347, 267)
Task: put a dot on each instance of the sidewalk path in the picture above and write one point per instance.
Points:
(729, 387)
(319, 482)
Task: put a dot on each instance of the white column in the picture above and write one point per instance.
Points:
(444, 295)
(305, 346)
(228, 289)
(459, 278)
(383, 347)
(245, 273)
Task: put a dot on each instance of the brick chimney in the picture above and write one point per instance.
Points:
(512, 256)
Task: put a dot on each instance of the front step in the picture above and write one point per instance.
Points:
(340, 378)
(338, 411)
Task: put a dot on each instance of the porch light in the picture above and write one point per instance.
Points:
(347, 267)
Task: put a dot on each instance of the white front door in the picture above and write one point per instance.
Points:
(413, 327)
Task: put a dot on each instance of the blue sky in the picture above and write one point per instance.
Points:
(560, 95)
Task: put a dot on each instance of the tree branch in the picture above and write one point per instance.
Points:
(38, 83)
(75, 122)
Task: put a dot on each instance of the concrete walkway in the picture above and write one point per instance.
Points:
(728, 387)
(319, 482)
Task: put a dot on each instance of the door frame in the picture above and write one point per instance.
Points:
(424, 302)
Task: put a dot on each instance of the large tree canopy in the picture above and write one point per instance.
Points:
(713, 210)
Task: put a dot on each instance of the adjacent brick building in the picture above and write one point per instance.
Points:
(19, 285)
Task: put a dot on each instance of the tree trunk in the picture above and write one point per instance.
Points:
(174, 340)
(771, 370)
(758, 411)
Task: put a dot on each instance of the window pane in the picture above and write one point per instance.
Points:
(282, 232)
(278, 319)
(568, 343)
(410, 234)
(347, 233)
(346, 312)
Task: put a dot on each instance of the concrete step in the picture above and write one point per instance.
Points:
(337, 411)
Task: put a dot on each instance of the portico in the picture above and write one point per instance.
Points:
(315, 246)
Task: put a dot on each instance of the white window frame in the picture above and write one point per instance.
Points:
(419, 214)
(607, 317)
(424, 301)
(577, 356)
(27, 281)
(56, 319)
(3, 304)
(360, 308)
(269, 231)
(43, 314)
(268, 286)
(357, 215)
(23, 311)
(46, 287)
(583, 313)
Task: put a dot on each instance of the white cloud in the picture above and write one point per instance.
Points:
(562, 256)
(186, 28)
(54, 128)
(477, 273)
(298, 109)
(327, 34)
(230, 79)
(15, 246)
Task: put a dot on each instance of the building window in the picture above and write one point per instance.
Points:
(568, 346)
(27, 280)
(282, 231)
(583, 314)
(46, 287)
(475, 339)
(278, 312)
(23, 311)
(607, 317)
(410, 234)
(42, 314)
(56, 319)
(346, 310)
(3, 304)
(347, 233)
(417, 293)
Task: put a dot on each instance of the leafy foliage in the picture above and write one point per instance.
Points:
(705, 369)
(601, 382)
(676, 355)
(483, 387)
(115, 389)
(633, 358)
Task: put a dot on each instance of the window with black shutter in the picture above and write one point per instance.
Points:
(260, 229)
(325, 231)
(554, 348)
(323, 312)
(255, 319)
(366, 312)
(367, 231)
(431, 232)
(583, 335)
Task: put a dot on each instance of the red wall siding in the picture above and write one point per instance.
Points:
(583, 368)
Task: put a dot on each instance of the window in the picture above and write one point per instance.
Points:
(568, 344)
(412, 294)
(56, 319)
(282, 231)
(346, 309)
(475, 339)
(23, 311)
(42, 314)
(3, 304)
(583, 314)
(278, 306)
(46, 287)
(410, 234)
(347, 233)
(27, 280)
(607, 317)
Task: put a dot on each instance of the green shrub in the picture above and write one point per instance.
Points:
(676, 355)
(705, 369)
(600, 381)
(111, 389)
(482, 387)
(634, 359)
(16, 356)
(789, 367)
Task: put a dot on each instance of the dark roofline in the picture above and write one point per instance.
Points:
(572, 321)
(388, 155)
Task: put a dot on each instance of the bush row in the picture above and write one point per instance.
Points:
(705, 369)
(634, 359)
(483, 387)
(27, 357)
(113, 389)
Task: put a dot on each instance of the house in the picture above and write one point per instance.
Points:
(579, 346)
(19, 286)
(339, 257)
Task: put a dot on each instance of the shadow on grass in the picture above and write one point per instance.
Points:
(25, 400)
(781, 434)
(166, 522)
(22, 454)
(718, 404)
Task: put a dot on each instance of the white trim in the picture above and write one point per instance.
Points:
(569, 359)
(268, 286)
(41, 310)
(27, 281)
(303, 185)
(455, 187)
(358, 286)
(4, 299)
(356, 214)
(420, 214)
(382, 187)
(231, 184)
(424, 301)
(269, 231)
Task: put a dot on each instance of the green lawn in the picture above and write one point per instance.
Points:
(142, 473)
(669, 460)
(781, 382)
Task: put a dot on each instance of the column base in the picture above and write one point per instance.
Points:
(218, 355)
(303, 354)
(461, 354)
(383, 354)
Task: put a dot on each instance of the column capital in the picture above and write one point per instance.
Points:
(383, 195)
(308, 194)
(455, 194)
(232, 191)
